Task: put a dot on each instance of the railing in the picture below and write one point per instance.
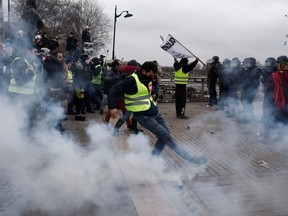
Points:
(196, 90)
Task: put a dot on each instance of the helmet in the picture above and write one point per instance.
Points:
(235, 62)
(249, 62)
(282, 58)
(215, 59)
(226, 62)
(270, 62)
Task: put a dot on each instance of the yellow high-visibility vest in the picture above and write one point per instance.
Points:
(141, 101)
(97, 79)
(180, 77)
(28, 88)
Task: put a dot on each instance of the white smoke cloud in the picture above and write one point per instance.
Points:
(42, 169)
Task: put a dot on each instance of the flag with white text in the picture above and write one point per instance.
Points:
(176, 49)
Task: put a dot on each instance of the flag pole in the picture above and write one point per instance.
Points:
(189, 51)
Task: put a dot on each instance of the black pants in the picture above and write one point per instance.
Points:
(213, 93)
(180, 99)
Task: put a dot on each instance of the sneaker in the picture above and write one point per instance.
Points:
(182, 116)
(198, 160)
(116, 132)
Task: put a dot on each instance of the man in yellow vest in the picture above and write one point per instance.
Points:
(138, 100)
(182, 69)
(21, 89)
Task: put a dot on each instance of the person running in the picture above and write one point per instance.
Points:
(138, 100)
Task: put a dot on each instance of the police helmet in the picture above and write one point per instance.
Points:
(215, 59)
(250, 62)
(226, 62)
(282, 58)
(235, 62)
(270, 62)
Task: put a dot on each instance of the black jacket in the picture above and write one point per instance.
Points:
(71, 43)
(53, 73)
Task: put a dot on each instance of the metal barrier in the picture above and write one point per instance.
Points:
(196, 90)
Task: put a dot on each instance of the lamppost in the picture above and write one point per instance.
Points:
(1, 20)
(114, 33)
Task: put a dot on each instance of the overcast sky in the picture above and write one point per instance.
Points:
(227, 28)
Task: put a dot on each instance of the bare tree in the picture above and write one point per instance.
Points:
(64, 16)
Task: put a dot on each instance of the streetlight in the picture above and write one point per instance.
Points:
(115, 19)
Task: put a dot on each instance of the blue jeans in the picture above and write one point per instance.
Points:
(157, 126)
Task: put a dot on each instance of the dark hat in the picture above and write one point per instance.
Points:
(215, 59)
(133, 62)
(95, 61)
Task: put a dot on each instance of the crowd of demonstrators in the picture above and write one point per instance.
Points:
(239, 84)
(139, 101)
(182, 69)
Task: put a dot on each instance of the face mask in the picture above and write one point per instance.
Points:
(144, 79)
